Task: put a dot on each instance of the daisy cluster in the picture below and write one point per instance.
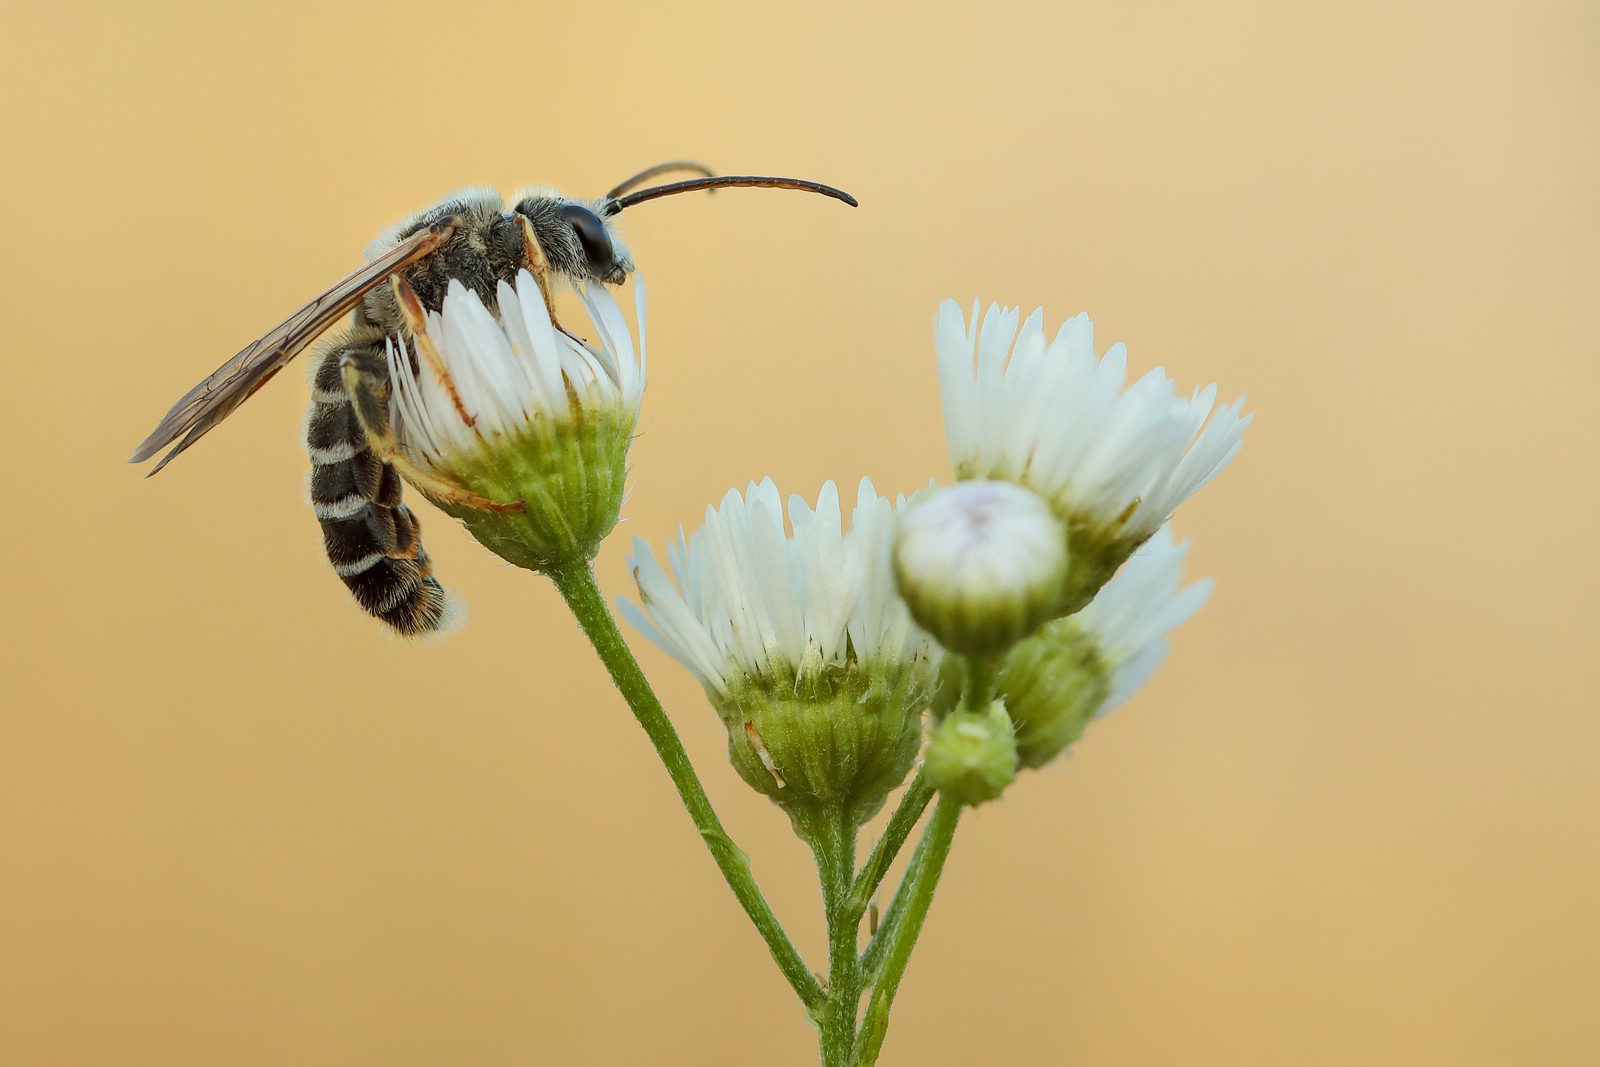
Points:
(1048, 568)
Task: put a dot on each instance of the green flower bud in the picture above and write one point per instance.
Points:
(1072, 670)
(980, 565)
(516, 428)
(972, 755)
(806, 652)
(1052, 684)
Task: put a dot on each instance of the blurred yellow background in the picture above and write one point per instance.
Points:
(1355, 819)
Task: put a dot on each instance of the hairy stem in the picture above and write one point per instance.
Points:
(901, 823)
(578, 587)
(935, 848)
(982, 677)
(833, 840)
(872, 956)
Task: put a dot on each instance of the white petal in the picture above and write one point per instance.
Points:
(761, 601)
(1131, 617)
(504, 367)
(1060, 421)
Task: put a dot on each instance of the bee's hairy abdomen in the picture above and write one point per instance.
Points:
(370, 536)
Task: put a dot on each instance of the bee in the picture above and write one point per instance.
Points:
(371, 537)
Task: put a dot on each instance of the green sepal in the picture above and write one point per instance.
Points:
(1052, 684)
(825, 739)
(569, 474)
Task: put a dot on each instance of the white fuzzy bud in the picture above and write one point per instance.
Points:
(980, 565)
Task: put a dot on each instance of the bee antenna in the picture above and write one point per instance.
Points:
(615, 204)
(657, 170)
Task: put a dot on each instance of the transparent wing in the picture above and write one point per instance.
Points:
(232, 384)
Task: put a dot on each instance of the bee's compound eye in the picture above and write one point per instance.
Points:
(592, 235)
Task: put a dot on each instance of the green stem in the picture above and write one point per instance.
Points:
(833, 840)
(941, 830)
(982, 677)
(901, 823)
(872, 957)
(582, 594)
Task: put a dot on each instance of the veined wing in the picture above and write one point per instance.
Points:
(235, 381)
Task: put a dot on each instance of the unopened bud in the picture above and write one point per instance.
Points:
(972, 756)
(1053, 683)
(980, 565)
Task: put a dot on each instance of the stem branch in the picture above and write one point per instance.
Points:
(901, 823)
(935, 848)
(981, 679)
(578, 588)
(833, 840)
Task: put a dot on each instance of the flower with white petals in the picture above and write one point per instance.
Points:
(1113, 459)
(800, 641)
(1075, 669)
(516, 427)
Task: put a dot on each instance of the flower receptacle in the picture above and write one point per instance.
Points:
(830, 738)
(567, 474)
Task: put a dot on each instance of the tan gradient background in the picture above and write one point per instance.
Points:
(1353, 821)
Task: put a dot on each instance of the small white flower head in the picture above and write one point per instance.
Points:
(1076, 669)
(800, 641)
(972, 755)
(1113, 459)
(514, 426)
(980, 565)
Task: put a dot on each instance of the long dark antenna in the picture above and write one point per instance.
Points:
(613, 205)
(656, 171)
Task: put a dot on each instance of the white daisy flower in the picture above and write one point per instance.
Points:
(1113, 459)
(516, 427)
(1076, 669)
(800, 640)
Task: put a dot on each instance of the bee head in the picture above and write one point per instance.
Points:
(577, 240)
(577, 235)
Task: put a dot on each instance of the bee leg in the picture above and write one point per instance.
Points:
(368, 386)
(539, 267)
(417, 324)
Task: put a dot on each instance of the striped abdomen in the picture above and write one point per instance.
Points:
(371, 537)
